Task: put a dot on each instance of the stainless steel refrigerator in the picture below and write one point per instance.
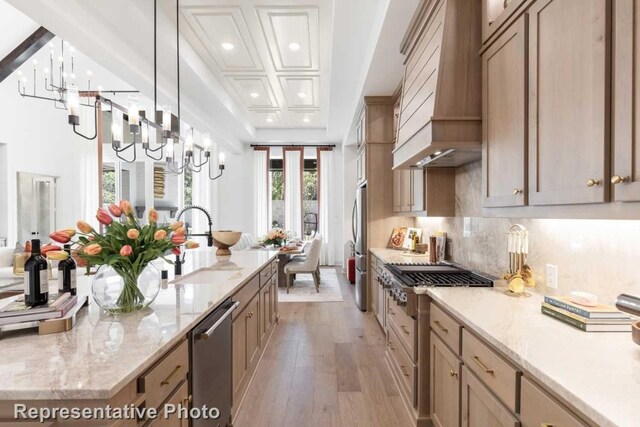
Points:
(359, 223)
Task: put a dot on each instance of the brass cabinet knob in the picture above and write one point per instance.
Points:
(593, 182)
(517, 191)
(404, 329)
(617, 179)
(453, 373)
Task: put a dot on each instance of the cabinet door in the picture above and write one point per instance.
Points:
(504, 121)
(626, 108)
(374, 288)
(537, 408)
(273, 296)
(417, 190)
(264, 320)
(253, 331)
(479, 407)
(445, 385)
(397, 191)
(406, 190)
(179, 397)
(381, 304)
(239, 352)
(568, 102)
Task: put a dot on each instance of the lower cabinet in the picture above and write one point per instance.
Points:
(445, 384)
(537, 408)
(251, 329)
(179, 397)
(480, 407)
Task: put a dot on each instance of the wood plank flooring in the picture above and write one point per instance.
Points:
(324, 367)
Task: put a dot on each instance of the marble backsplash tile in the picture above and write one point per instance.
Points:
(597, 256)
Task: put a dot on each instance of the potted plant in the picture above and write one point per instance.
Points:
(276, 237)
(126, 279)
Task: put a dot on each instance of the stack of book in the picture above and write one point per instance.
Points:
(17, 311)
(596, 318)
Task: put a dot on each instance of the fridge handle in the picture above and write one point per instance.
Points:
(353, 220)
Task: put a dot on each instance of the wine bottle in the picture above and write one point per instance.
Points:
(67, 273)
(36, 277)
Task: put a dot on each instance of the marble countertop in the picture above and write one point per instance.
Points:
(597, 373)
(399, 257)
(104, 352)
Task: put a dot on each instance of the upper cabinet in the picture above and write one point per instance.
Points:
(495, 13)
(504, 108)
(568, 102)
(626, 107)
(561, 94)
(440, 111)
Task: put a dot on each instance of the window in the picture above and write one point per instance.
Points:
(108, 184)
(310, 198)
(309, 195)
(277, 192)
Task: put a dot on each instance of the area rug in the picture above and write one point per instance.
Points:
(303, 289)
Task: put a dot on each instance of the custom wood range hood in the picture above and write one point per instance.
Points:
(440, 122)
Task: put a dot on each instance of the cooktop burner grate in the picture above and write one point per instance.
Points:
(447, 279)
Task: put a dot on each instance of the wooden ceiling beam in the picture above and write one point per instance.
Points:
(24, 51)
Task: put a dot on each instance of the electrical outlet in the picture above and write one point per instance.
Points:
(552, 276)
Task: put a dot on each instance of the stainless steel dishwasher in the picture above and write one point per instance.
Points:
(210, 357)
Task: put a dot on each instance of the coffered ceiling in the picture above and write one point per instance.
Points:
(274, 59)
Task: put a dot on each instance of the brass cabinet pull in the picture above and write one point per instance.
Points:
(617, 179)
(482, 365)
(404, 371)
(453, 373)
(391, 312)
(546, 425)
(593, 182)
(171, 376)
(442, 328)
(250, 315)
(391, 347)
(517, 191)
(404, 329)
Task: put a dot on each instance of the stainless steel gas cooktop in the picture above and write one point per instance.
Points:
(442, 274)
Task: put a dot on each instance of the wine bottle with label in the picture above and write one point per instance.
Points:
(36, 277)
(67, 273)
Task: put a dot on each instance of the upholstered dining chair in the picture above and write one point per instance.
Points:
(310, 264)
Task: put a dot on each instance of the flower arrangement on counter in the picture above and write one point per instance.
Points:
(276, 237)
(125, 246)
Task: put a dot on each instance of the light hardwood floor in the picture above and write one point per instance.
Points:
(324, 367)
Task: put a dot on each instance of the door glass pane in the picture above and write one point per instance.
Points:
(36, 206)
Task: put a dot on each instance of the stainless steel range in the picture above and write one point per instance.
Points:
(403, 279)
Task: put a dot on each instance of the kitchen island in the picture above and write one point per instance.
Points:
(106, 359)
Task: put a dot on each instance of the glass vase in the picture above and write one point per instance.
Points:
(124, 291)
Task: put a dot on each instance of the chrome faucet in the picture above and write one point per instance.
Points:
(200, 208)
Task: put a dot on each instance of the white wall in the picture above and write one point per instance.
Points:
(235, 193)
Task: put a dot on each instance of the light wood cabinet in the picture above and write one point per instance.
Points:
(245, 344)
(626, 108)
(179, 397)
(504, 125)
(445, 384)
(361, 166)
(569, 99)
(495, 13)
(480, 408)
(537, 408)
(424, 192)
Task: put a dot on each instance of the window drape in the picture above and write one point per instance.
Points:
(293, 164)
(325, 209)
(262, 191)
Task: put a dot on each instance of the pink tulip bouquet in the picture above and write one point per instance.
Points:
(125, 246)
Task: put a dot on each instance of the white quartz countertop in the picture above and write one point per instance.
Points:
(399, 257)
(104, 352)
(597, 373)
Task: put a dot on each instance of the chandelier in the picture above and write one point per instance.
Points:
(161, 131)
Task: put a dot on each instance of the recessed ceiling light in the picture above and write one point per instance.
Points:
(306, 120)
(302, 94)
(227, 46)
(254, 94)
(294, 46)
(269, 120)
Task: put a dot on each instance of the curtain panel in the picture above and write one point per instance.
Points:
(325, 208)
(293, 171)
(262, 191)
